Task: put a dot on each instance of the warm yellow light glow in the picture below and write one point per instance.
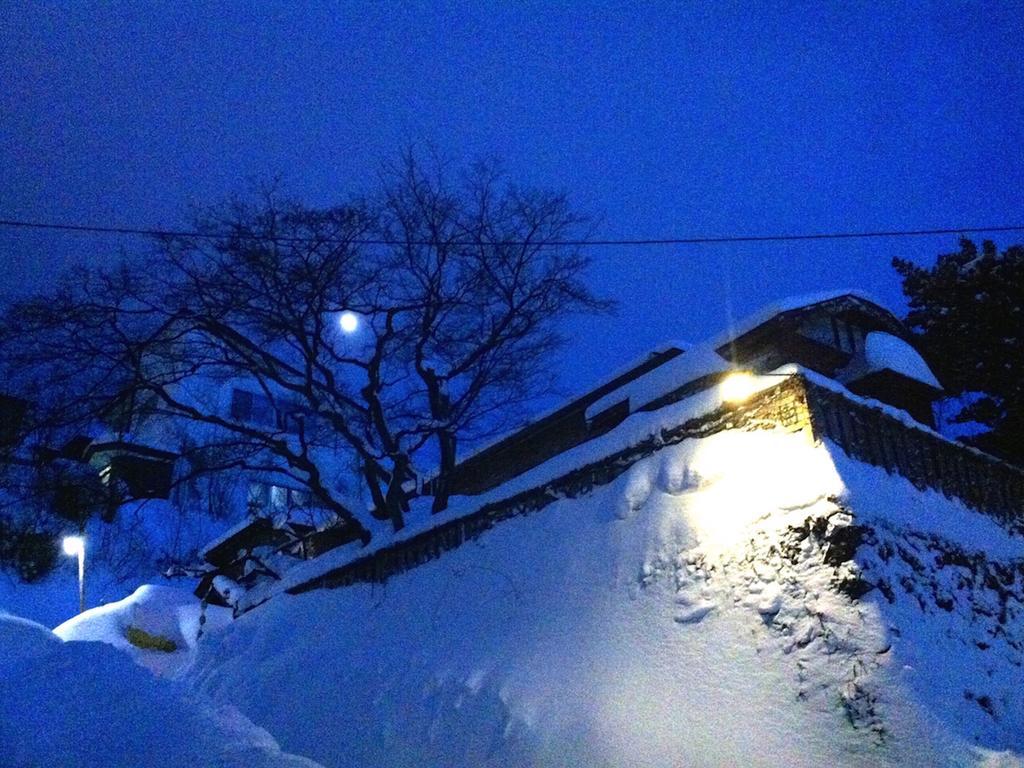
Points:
(74, 545)
(741, 479)
(738, 387)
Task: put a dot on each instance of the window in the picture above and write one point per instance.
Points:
(269, 499)
(278, 499)
(845, 335)
(259, 410)
(253, 408)
(851, 337)
(258, 498)
(298, 419)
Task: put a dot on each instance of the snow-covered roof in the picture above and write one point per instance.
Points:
(235, 529)
(885, 352)
(766, 313)
(701, 360)
(696, 362)
(665, 346)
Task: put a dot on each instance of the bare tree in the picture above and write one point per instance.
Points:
(459, 287)
(484, 279)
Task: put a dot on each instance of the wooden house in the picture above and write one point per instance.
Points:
(844, 336)
(847, 338)
(242, 553)
(558, 431)
(139, 471)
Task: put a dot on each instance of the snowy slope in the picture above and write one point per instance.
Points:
(85, 704)
(745, 599)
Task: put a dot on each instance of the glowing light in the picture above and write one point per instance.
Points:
(738, 387)
(745, 478)
(74, 545)
(349, 322)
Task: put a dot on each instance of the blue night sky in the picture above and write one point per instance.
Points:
(664, 120)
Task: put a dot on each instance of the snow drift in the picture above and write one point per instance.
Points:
(86, 704)
(166, 616)
(742, 599)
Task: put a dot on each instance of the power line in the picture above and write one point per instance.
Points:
(697, 240)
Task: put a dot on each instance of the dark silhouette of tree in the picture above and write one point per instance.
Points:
(969, 312)
(480, 280)
(459, 288)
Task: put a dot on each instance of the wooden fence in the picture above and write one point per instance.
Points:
(873, 436)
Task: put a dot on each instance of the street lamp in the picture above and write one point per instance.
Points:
(75, 545)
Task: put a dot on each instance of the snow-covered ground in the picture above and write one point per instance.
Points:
(87, 704)
(742, 599)
(705, 609)
(172, 615)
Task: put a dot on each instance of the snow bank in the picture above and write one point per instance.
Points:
(162, 613)
(706, 608)
(22, 640)
(87, 705)
(633, 431)
(887, 499)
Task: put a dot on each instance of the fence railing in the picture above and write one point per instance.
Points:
(875, 437)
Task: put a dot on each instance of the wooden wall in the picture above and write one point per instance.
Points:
(874, 437)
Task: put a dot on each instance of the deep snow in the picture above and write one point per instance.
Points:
(638, 428)
(87, 704)
(748, 598)
(704, 609)
(171, 614)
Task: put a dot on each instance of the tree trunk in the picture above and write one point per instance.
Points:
(443, 483)
(395, 503)
(378, 503)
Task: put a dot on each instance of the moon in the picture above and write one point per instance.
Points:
(349, 322)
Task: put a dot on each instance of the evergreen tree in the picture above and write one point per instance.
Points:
(969, 312)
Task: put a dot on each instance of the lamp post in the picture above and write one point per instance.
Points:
(75, 545)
